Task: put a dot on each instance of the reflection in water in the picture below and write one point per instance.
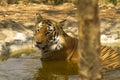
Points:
(31, 68)
(64, 70)
(57, 70)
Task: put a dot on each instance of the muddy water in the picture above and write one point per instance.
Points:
(19, 68)
(31, 68)
(57, 70)
(63, 70)
(112, 75)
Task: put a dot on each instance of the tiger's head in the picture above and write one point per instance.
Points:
(48, 34)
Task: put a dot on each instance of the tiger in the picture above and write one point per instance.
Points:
(56, 44)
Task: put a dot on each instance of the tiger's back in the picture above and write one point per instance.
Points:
(110, 58)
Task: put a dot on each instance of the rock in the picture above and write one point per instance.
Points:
(20, 36)
(2, 36)
(15, 39)
(5, 49)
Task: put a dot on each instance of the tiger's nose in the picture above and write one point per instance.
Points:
(37, 44)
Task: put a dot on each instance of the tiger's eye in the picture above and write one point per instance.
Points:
(37, 31)
(46, 33)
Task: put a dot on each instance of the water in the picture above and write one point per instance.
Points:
(64, 70)
(32, 68)
(19, 68)
(112, 75)
(57, 70)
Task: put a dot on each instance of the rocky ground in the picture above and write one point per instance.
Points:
(17, 22)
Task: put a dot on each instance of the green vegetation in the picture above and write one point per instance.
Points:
(113, 1)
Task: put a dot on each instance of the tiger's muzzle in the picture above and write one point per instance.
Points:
(39, 45)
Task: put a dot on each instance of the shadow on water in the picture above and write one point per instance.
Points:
(57, 70)
(67, 70)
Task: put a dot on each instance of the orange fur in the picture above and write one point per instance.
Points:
(69, 51)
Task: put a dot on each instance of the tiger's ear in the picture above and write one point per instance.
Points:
(62, 21)
(38, 18)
